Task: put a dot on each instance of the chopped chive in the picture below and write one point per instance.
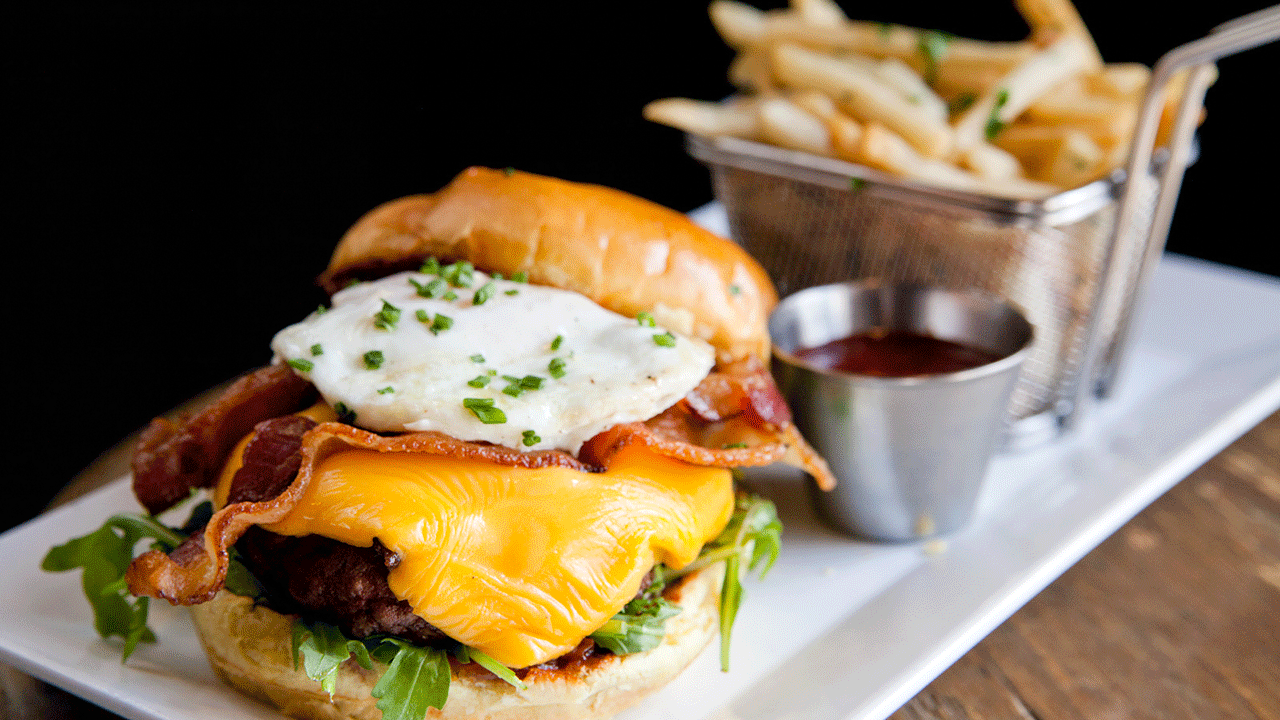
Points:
(321, 309)
(433, 289)
(514, 390)
(459, 274)
(520, 276)
(485, 292)
(496, 275)
(479, 381)
(345, 414)
(373, 359)
(386, 390)
(422, 315)
(491, 372)
(530, 438)
(387, 317)
(451, 296)
(856, 184)
(484, 410)
(508, 171)
(317, 350)
(352, 283)
(735, 290)
(512, 291)
(645, 319)
(531, 382)
(556, 368)
(440, 323)
(665, 339)
(555, 344)
(430, 267)
(301, 365)
(994, 123)
(734, 446)
(477, 358)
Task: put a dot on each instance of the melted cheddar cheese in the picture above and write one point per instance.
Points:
(520, 564)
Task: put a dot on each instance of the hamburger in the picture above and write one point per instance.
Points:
(491, 478)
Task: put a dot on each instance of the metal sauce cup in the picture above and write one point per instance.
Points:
(910, 453)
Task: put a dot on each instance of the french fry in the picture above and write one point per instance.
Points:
(863, 95)
(750, 71)
(739, 25)
(1006, 118)
(1077, 161)
(787, 125)
(698, 117)
(882, 149)
(819, 13)
(1051, 20)
(1021, 87)
(846, 133)
(1119, 80)
(912, 87)
(990, 162)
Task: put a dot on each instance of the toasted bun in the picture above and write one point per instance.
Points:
(250, 648)
(625, 253)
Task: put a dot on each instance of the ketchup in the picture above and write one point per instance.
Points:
(895, 353)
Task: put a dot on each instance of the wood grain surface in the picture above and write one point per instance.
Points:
(1176, 616)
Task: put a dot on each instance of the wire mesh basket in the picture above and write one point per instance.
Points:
(1075, 262)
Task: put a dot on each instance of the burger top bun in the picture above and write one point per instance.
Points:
(250, 647)
(623, 252)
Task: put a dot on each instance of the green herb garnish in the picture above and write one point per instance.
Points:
(520, 276)
(430, 266)
(484, 410)
(556, 368)
(387, 317)
(530, 438)
(933, 45)
(386, 390)
(644, 319)
(994, 123)
(317, 350)
(345, 414)
(665, 339)
(555, 344)
(373, 359)
(301, 365)
(460, 274)
(477, 358)
(856, 184)
(962, 102)
(434, 288)
(485, 292)
(440, 323)
(479, 381)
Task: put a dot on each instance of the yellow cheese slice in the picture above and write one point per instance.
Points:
(520, 564)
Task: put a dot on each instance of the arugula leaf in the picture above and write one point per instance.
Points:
(639, 627)
(323, 648)
(105, 554)
(753, 535)
(469, 654)
(416, 679)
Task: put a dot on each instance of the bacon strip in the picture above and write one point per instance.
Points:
(198, 569)
(748, 430)
(175, 457)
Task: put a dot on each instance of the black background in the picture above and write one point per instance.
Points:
(180, 172)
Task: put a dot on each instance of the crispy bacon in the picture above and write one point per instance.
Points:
(748, 429)
(175, 457)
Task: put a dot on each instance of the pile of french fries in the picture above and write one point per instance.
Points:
(1021, 119)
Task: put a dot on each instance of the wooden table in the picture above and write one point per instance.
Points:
(1176, 616)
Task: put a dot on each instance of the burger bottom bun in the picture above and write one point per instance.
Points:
(250, 648)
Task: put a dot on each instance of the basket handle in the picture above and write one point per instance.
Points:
(1234, 36)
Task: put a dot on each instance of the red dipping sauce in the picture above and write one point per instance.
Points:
(895, 353)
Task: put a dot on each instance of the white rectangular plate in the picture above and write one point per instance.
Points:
(839, 628)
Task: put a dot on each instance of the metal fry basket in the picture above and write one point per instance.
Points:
(1075, 262)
